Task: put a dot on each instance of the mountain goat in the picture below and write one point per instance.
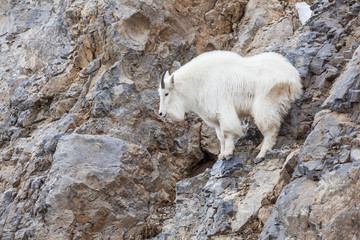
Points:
(222, 87)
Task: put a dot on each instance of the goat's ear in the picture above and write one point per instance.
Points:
(172, 81)
(167, 74)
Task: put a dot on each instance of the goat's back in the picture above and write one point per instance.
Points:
(223, 78)
(228, 71)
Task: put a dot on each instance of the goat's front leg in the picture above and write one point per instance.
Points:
(229, 146)
(228, 122)
(220, 136)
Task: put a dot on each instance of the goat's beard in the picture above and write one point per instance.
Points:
(176, 116)
(177, 112)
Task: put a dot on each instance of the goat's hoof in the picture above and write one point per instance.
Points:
(261, 155)
(258, 160)
(225, 156)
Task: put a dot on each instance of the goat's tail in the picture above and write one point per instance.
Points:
(283, 94)
(295, 89)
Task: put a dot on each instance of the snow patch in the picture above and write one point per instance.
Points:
(304, 11)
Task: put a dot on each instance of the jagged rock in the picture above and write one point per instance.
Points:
(292, 208)
(354, 155)
(343, 91)
(307, 209)
(209, 141)
(226, 200)
(80, 171)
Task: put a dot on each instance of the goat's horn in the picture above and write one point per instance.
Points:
(161, 78)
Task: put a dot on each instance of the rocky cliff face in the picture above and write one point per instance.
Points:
(83, 154)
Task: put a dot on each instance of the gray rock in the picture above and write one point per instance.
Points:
(312, 169)
(328, 76)
(344, 156)
(27, 117)
(291, 212)
(223, 168)
(101, 105)
(210, 199)
(81, 169)
(339, 98)
(355, 155)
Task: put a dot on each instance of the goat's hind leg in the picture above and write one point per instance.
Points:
(267, 119)
(268, 112)
(269, 141)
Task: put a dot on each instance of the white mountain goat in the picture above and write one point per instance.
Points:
(222, 88)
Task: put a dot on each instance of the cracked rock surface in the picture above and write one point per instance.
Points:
(83, 154)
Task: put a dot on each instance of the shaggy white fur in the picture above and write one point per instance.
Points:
(222, 87)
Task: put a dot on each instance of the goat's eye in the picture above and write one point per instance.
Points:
(166, 94)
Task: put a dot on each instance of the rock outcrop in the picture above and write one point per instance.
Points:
(83, 154)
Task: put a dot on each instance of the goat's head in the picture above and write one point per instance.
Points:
(170, 102)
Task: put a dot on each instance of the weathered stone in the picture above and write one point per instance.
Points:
(257, 28)
(224, 204)
(209, 141)
(312, 169)
(79, 166)
(339, 98)
(344, 156)
(327, 77)
(338, 216)
(355, 155)
(291, 212)
(27, 117)
(223, 168)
